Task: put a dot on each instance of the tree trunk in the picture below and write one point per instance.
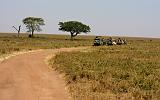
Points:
(18, 33)
(32, 33)
(19, 30)
(72, 35)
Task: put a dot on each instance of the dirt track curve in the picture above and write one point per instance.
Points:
(27, 77)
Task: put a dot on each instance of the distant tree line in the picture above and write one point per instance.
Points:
(74, 27)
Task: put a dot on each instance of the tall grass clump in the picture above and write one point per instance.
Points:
(128, 72)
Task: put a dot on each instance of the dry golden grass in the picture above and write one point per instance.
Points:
(9, 43)
(108, 72)
(126, 72)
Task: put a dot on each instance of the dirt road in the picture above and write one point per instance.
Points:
(27, 77)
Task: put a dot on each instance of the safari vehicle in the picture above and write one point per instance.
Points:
(97, 41)
(120, 41)
(101, 41)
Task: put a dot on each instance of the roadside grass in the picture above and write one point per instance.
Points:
(9, 43)
(127, 72)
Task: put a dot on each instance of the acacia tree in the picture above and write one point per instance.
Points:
(33, 24)
(74, 27)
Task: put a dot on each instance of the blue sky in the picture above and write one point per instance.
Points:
(105, 17)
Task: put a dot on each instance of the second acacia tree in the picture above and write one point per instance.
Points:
(74, 27)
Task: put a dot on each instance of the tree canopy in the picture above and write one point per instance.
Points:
(74, 27)
(33, 24)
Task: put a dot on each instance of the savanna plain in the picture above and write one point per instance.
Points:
(119, 72)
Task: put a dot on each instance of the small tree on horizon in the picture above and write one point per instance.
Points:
(33, 24)
(74, 27)
(18, 30)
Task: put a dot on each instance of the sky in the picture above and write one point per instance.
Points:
(137, 18)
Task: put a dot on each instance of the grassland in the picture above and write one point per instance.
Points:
(108, 72)
(9, 43)
(127, 72)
